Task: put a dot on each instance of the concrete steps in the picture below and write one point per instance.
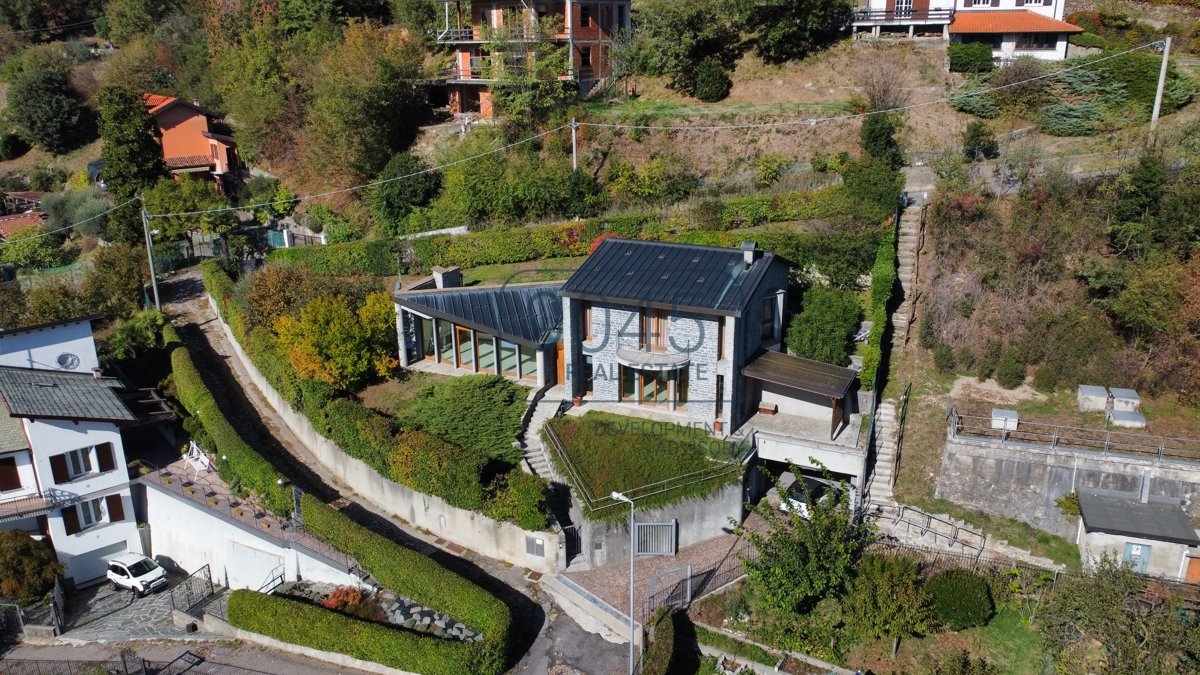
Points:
(886, 432)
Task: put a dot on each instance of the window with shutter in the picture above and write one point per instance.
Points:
(104, 457)
(58, 467)
(70, 518)
(116, 510)
(10, 478)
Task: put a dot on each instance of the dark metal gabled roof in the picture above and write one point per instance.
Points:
(528, 314)
(703, 279)
(799, 373)
(1124, 514)
(53, 394)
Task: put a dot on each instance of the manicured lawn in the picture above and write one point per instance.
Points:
(655, 463)
(550, 269)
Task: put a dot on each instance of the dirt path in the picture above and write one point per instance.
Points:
(184, 300)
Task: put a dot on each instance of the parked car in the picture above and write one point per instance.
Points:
(137, 573)
(807, 490)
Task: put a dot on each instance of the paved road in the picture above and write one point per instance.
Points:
(544, 635)
(205, 658)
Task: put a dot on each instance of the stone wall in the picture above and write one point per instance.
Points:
(502, 541)
(1018, 480)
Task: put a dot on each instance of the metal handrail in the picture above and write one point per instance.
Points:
(1084, 439)
(900, 430)
(903, 14)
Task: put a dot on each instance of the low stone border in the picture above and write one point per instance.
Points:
(214, 625)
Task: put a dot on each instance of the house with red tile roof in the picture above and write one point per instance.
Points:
(191, 142)
(16, 222)
(1013, 28)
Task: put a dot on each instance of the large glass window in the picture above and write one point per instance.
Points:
(508, 359)
(654, 330)
(487, 352)
(629, 384)
(445, 333)
(428, 347)
(466, 348)
(721, 338)
(654, 387)
(588, 374)
(528, 363)
(681, 389)
(1037, 40)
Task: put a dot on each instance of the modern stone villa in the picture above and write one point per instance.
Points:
(670, 332)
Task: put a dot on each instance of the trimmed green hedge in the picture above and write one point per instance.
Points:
(712, 222)
(313, 626)
(883, 283)
(240, 465)
(417, 577)
(356, 257)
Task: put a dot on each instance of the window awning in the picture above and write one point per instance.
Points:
(803, 374)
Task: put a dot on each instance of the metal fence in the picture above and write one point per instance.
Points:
(11, 625)
(1104, 441)
(684, 585)
(46, 667)
(192, 590)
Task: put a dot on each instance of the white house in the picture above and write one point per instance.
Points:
(1013, 28)
(63, 470)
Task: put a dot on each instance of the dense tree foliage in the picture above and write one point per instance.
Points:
(333, 343)
(803, 560)
(29, 565)
(47, 112)
(792, 29)
(498, 405)
(824, 326)
(406, 188)
(132, 160)
(674, 38)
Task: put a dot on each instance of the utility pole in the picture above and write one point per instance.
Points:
(1162, 83)
(574, 146)
(150, 257)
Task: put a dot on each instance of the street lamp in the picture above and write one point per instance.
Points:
(150, 258)
(632, 549)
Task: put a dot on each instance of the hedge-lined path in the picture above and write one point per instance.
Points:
(187, 304)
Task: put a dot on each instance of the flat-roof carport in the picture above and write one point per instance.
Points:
(807, 375)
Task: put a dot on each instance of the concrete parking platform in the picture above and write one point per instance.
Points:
(101, 614)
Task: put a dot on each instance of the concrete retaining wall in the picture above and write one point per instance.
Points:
(1022, 480)
(188, 536)
(699, 520)
(213, 624)
(501, 541)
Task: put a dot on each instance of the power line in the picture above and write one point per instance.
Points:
(67, 227)
(47, 29)
(812, 121)
(294, 200)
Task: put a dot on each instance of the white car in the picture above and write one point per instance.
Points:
(137, 573)
(814, 490)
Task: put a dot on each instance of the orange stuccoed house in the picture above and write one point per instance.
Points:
(191, 142)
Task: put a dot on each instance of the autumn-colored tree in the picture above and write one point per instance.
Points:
(332, 343)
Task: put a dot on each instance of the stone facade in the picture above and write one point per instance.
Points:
(691, 334)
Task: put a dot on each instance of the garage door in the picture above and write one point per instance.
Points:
(92, 565)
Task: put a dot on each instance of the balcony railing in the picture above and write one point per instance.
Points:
(36, 504)
(452, 35)
(455, 35)
(648, 360)
(901, 15)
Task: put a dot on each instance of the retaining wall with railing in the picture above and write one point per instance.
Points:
(469, 529)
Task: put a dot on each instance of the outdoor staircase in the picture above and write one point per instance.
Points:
(886, 438)
(907, 250)
(537, 461)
